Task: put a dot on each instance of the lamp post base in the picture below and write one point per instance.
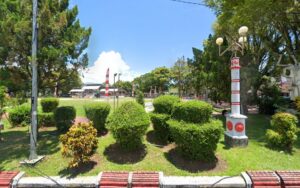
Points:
(236, 141)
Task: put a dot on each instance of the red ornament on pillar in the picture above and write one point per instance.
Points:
(239, 127)
(229, 125)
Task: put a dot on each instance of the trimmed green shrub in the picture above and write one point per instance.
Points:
(80, 142)
(128, 125)
(194, 141)
(64, 117)
(192, 111)
(139, 98)
(164, 103)
(49, 104)
(160, 126)
(46, 119)
(20, 115)
(97, 113)
(284, 131)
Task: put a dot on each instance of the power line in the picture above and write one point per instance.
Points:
(189, 2)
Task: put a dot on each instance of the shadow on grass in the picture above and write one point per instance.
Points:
(15, 145)
(152, 139)
(297, 143)
(116, 154)
(256, 127)
(191, 166)
(48, 142)
(81, 169)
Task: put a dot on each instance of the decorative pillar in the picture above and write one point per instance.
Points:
(235, 122)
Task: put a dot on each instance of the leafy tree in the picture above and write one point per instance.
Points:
(159, 78)
(210, 73)
(180, 72)
(61, 43)
(126, 85)
(273, 37)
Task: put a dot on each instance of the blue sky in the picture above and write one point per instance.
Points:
(143, 34)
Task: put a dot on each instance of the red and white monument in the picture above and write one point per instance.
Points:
(235, 134)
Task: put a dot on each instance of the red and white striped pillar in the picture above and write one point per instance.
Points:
(107, 83)
(235, 134)
(235, 86)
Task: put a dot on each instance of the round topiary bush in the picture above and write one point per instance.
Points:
(192, 111)
(20, 115)
(80, 142)
(194, 141)
(97, 113)
(128, 125)
(160, 126)
(64, 117)
(164, 103)
(49, 104)
(284, 131)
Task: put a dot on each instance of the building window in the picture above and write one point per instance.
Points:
(287, 72)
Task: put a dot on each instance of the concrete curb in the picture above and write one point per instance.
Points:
(16, 179)
(203, 181)
(242, 181)
(98, 180)
(247, 179)
(56, 181)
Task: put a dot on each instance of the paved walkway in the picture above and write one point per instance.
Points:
(81, 120)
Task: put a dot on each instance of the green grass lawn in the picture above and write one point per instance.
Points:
(152, 157)
(79, 103)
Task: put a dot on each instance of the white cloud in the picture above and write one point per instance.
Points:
(112, 60)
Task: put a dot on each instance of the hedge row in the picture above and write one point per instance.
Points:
(64, 117)
(49, 104)
(97, 113)
(20, 115)
(194, 141)
(192, 111)
(164, 104)
(46, 119)
(160, 126)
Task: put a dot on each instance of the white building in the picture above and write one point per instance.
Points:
(290, 80)
(89, 90)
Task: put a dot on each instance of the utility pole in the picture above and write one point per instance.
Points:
(33, 130)
(118, 90)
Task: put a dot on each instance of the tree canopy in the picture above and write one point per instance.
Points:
(62, 44)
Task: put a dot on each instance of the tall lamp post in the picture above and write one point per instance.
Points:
(115, 90)
(235, 134)
(33, 130)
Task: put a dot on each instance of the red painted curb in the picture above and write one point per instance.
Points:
(266, 179)
(6, 178)
(289, 179)
(145, 180)
(114, 180)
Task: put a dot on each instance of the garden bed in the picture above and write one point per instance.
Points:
(153, 156)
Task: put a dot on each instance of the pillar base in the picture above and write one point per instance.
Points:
(236, 141)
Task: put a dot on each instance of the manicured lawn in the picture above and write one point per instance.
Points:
(79, 103)
(153, 157)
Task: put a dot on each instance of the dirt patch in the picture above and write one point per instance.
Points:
(177, 160)
(152, 139)
(116, 154)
